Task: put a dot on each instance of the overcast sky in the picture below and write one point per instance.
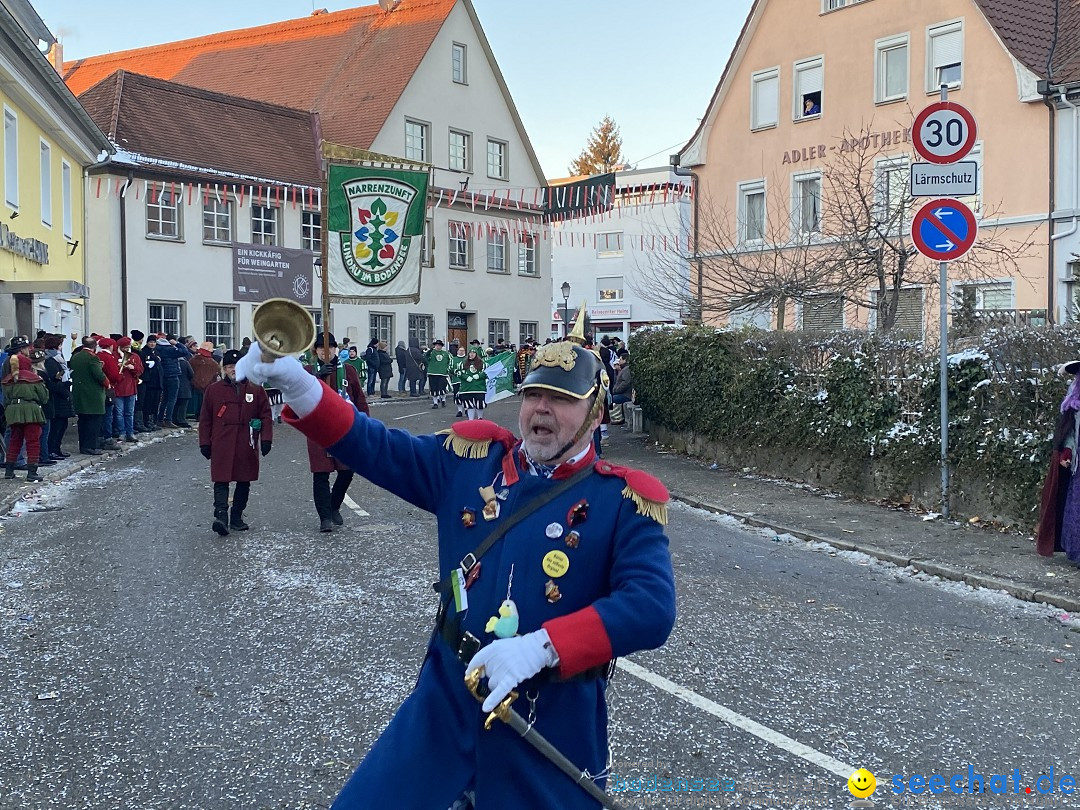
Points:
(651, 66)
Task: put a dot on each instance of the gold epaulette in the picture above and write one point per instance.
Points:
(648, 494)
(472, 439)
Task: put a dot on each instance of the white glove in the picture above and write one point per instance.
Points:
(509, 661)
(299, 389)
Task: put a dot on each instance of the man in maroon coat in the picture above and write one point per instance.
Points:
(234, 427)
(343, 379)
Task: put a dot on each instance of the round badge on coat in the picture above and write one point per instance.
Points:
(556, 563)
(554, 530)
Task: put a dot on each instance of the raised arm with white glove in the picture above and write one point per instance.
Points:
(509, 661)
(300, 390)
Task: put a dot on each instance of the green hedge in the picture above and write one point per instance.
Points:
(857, 397)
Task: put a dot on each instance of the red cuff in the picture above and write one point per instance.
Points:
(1066, 454)
(580, 641)
(326, 425)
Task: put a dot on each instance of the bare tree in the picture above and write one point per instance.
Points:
(845, 236)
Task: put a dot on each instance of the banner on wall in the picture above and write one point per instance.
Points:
(375, 230)
(265, 271)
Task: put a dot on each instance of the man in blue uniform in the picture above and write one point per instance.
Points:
(583, 576)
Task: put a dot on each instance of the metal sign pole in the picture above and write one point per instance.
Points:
(943, 268)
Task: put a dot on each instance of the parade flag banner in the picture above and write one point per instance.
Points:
(500, 376)
(375, 231)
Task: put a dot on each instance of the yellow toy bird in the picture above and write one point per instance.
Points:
(505, 625)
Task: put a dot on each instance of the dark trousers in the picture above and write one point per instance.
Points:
(89, 430)
(107, 419)
(196, 403)
(168, 399)
(150, 399)
(180, 411)
(58, 426)
(372, 373)
(384, 384)
(326, 499)
(240, 497)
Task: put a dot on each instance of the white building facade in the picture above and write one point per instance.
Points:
(607, 259)
(486, 268)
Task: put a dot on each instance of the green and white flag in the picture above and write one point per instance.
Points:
(375, 231)
(500, 376)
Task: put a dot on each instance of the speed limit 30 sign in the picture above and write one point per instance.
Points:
(944, 132)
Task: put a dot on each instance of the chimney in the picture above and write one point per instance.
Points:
(56, 56)
(319, 11)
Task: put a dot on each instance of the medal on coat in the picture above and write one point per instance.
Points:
(572, 539)
(578, 512)
(554, 531)
(468, 517)
(491, 503)
(551, 591)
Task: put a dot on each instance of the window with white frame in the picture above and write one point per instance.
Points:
(891, 69)
(609, 289)
(823, 313)
(316, 315)
(459, 65)
(527, 255)
(527, 330)
(944, 55)
(165, 317)
(65, 197)
(985, 295)
(893, 192)
(382, 327)
(498, 331)
(752, 211)
(416, 141)
(162, 213)
(496, 159)
(458, 242)
(217, 221)
(809, 84)
(220, 324)
(832, 5)
(311, 231)
(757, 317)
(11, 158)
(427, 254)
(264, 225)
(609, 245)
(460, 151)
(910, 310)
(46, 184)
(765, 98)
(806, 203)
(421, 327)
(496, 252)
(1072, 294)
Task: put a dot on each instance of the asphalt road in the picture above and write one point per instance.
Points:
(147, 663)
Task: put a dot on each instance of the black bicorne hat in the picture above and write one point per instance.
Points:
(567, 368)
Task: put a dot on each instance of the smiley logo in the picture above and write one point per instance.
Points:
(861, 783)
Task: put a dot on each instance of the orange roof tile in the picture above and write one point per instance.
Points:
(349, 66)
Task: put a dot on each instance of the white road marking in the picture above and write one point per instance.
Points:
(841, 769)
(410, 415)
(349, 502)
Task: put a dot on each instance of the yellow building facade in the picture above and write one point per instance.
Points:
(48, 141)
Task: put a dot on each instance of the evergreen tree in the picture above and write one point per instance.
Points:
(603, 152)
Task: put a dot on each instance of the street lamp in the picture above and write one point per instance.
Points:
(565, 289)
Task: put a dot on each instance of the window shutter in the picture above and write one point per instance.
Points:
(948, 48)
(766, 101)
(811, 79)
(909, 311)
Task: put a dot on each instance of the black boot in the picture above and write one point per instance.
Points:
(220, 518)
(236, 521)
(335, 517)
(326, 525)
(31, 473)
(9, 470)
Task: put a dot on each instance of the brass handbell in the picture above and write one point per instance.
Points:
(282, 327)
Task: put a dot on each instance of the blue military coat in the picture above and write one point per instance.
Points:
(613, 594)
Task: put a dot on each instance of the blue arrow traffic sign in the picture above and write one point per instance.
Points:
(944, 230)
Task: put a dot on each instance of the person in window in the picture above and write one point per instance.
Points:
(810, 107)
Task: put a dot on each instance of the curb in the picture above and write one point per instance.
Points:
(1016, 589)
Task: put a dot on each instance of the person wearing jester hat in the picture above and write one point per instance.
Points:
(438, 362)
(345, 379)
(579, 575)
(234, 428)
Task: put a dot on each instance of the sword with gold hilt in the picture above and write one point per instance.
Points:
(518, 723)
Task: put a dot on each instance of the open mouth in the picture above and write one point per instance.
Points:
(541, 432)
